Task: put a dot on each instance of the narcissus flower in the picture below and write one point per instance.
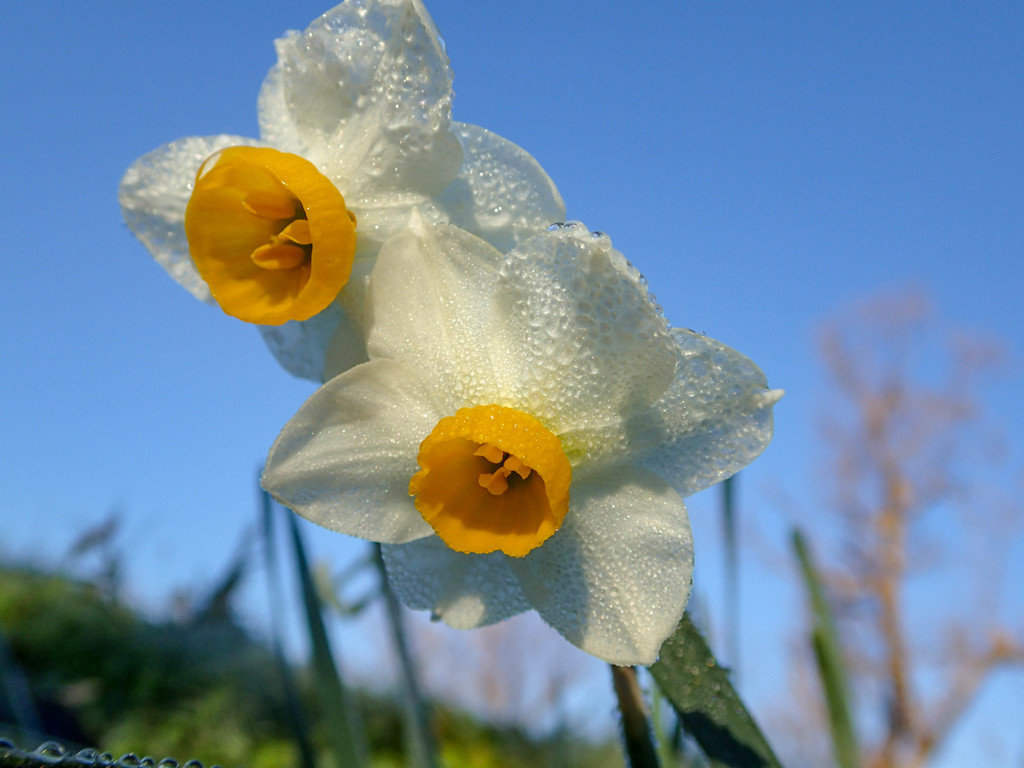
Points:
(355, 132)
(522, 436)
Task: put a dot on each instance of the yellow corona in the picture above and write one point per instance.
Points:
(492, 478)
(269, 234)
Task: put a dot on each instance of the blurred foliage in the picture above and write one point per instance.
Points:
(100, 675)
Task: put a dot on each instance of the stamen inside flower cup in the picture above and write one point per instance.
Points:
(492, 478)
(269, 234)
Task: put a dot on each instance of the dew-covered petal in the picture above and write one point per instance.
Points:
(428, 304)
(578, 338)
(714, 420)
(154, 193)
(377, 224)
(463, 591)
(328, 343)
(501, 193)
(346, 347)
(345, 459)
(365, 94)
(300, 346)
(616, 577)
(716, 416)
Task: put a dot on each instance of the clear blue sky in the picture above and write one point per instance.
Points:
(760, 163)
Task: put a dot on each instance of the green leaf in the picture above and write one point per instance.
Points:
(346, 736)
(829, 658)
(707, 704)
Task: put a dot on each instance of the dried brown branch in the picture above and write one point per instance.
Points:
(971, 671)
(636, 729)
(900, 442)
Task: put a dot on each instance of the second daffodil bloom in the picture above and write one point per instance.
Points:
(355, 133)
(522, 437)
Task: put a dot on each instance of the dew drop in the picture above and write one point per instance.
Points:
(50, 749)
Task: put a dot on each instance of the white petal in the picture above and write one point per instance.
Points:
(300, 346)
(365, 94)
(501, 193)
(154, 194)
(463, 591)
(328, 343)
(345, 349)
(714, 420)
(376, 225)
(344, 461)
(579, 341)
(614, 580)
(428, 305)
(718, 414)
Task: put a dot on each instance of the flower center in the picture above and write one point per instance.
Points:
(269, 234)
(492, 478)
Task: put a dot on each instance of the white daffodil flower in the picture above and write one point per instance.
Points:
(355, 132)
(522, 437)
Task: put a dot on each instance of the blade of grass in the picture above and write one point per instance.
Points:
(662, 738)
(346, 737)
(216, 606)
(419, 742)
(829, 658)
(293, 709)
(707, 704)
